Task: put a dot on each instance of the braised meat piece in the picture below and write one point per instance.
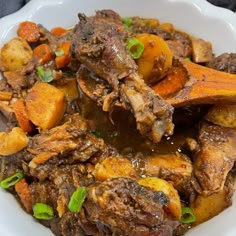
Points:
(99, 44)
(225, 62)
(151, 26)
(180, 44)
(11, 164)
(71, 142)
(215, 158)
(122, 207)
(45, 192)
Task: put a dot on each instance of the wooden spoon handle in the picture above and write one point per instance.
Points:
(208, 86)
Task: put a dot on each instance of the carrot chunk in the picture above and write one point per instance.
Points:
(22, 116)
(43, 53)
(58, 31)
(65, 46)
(62, 61)
(29, 31)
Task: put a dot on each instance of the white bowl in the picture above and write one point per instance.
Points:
(197, 17)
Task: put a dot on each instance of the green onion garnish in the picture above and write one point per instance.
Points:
(43, 211)
(127, 21)
(45, 75)
(59, 52)
(12, 180)
(187, 59)
(96, 133)
(135, 47)
(187, 216)
(77, 199)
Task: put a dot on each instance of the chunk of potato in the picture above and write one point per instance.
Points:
(157, 184)
(224, 115)
(70, 88)
(12, 142)
(114, 167)
(156, 58)
(206, 207)
(176, 168)
(202, 50)
(45, 105)
(15, 54)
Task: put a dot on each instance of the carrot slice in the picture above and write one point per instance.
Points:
(43, 53)
(29, 31)
(58, 31)
(174, 81)
(62, 61)
(22, 190)
(22, 116)
(65, 46)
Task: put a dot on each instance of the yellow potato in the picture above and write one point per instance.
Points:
(157, 184)
(114, 167)
(45, 105)
(70, 88)
(15, 54)
(156, 58)
(12, 142)
(206, 207)
(224, 115)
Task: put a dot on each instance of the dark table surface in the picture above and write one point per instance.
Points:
(10, 6)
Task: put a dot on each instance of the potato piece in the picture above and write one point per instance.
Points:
(174, 205)
(156, 58)
(45, 105)
(202, 50)
(15, 54)
(12, 142)
(206, 207)
(70, 89)
(223, 115)
(113, 167)
(176, 168)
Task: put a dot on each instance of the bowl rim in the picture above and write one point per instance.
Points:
(28, 11)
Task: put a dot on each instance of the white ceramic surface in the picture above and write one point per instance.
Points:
(197, 17)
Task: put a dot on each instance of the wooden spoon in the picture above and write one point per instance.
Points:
(188, 83)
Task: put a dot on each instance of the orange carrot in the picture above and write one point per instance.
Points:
(58, 31)
(43, 53)
(29, 31)
(172, 83)
(22, 190)
(63, 60)
(22, 116)
(65, 46)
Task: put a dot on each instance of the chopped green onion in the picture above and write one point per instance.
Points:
(136, 47)
(45, 75)
(77, 199)
(187, 216)
(12, 180)
(187, 59)
(127, 21)
(96, 133)
(59, 52)
(43, 211)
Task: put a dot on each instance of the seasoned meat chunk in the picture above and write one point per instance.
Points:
(122, 207)
(99, 44)
(225, 62)
(215, 158)
(151, 26)
(71, 141)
